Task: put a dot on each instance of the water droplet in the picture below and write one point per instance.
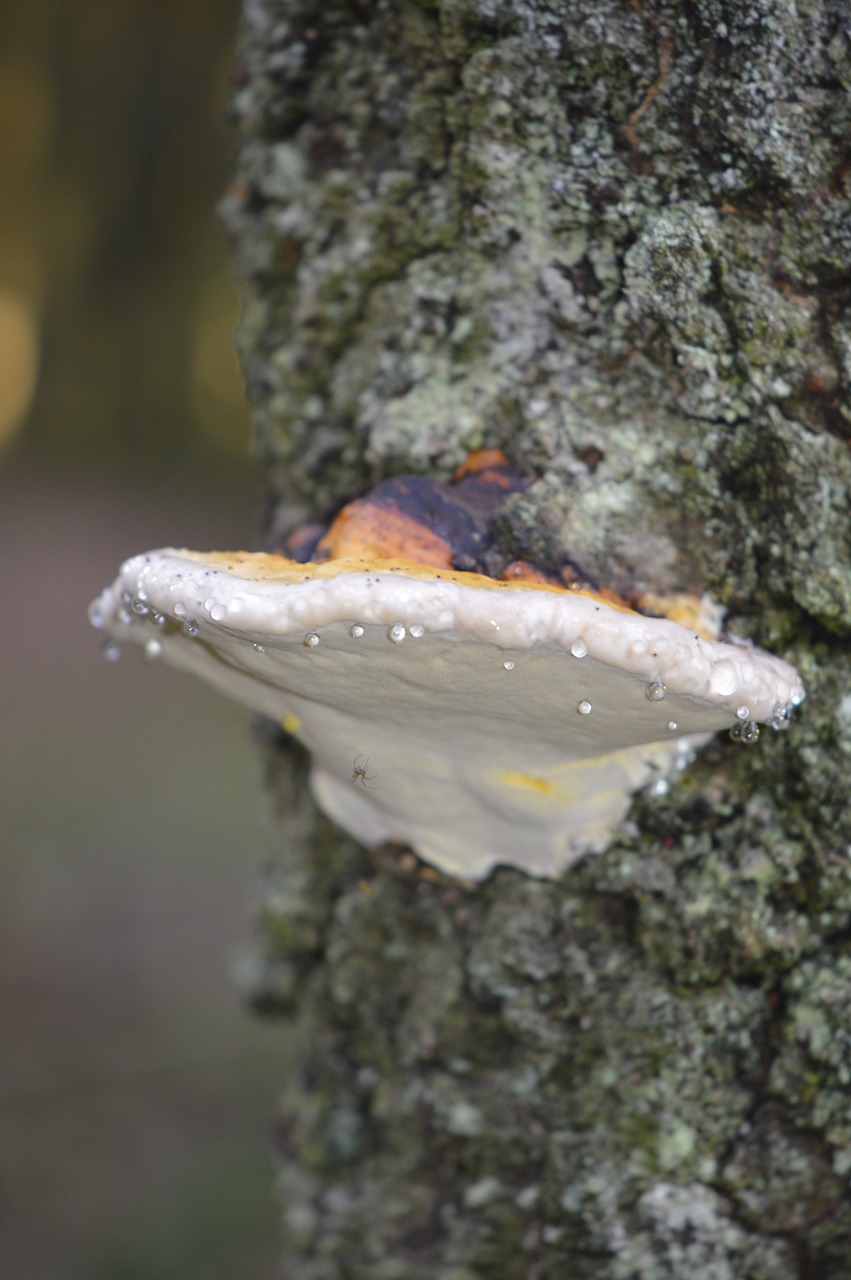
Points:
(111, 651)
(152, 649)
(781, 717)
(746, 733)
(509, 665)
(417, 630)
(584, 707)
(579, 648)
(158, 619)
(139, 607)
(396, 633)
(260, 648)
(356, 631)
(655, 691)
(125, 617)
(179, 610)
(95, 617)
(672, 725)
(311, 640)
(742, 713)
(218, 612)
(191, 628)
(126, 599)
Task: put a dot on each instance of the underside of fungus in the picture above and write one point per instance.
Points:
(479, 721)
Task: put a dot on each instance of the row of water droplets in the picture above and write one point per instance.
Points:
(396, 633)
(744, 730)
(654, 692)
(133, 608)
(747, 731)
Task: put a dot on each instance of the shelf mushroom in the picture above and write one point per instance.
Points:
(503, 722)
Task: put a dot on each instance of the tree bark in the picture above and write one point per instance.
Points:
(612, 237)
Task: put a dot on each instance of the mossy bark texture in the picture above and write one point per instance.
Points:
(614, 238)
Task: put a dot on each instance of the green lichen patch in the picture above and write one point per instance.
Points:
(813, 1071)
(781, 1178)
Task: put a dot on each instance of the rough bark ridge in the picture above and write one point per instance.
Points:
(614, 237)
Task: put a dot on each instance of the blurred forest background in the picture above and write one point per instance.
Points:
(136, 1095)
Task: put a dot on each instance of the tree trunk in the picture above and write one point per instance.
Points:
(612, 237)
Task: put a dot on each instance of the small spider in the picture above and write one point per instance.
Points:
(359, 773)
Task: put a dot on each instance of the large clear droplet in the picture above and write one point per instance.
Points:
(746, 733)
(781, 717)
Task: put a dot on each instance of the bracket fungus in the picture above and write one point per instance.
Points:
(500, 721)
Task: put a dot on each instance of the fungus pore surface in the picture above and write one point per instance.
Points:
(482, 722)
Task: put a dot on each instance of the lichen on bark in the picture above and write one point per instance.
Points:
(615, 240)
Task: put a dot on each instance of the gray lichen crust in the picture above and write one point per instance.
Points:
(614, 239)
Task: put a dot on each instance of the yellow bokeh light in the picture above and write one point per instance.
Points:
(19, 345)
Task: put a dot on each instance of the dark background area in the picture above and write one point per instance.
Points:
(136, 1095)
